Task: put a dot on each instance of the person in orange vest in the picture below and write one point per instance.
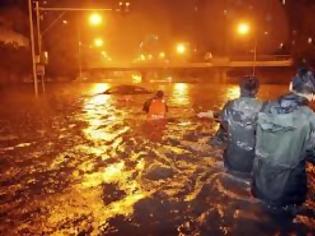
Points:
(156, 107)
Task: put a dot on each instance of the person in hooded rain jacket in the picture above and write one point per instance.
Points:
(238, 126)
(284, 141)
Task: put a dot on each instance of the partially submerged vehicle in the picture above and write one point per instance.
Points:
(127, 90)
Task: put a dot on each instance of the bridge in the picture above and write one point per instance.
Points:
(215, 63)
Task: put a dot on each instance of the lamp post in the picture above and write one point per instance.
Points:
(40, 46)
(30, 9)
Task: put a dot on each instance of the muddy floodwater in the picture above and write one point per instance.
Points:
(77, 163)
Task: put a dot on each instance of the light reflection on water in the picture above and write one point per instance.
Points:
(106, 125)
(180, 94)
(99, 88)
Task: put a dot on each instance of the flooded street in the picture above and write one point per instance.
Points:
(78, 163)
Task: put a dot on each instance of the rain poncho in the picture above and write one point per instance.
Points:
(238, 118)
(285, 138)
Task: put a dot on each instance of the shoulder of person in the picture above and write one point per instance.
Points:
(230, 103)
(308, 111)
(267, 105)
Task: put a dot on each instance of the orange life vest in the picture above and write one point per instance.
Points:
(157, 109)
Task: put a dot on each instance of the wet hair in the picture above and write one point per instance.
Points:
(304, 81)
(159, 94)
(249, 86)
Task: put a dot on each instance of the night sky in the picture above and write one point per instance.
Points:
(205, 24)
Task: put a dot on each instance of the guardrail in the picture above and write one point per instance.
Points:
(262, 61)
(260, 57)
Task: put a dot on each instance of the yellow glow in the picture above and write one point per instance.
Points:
(142, 57)
(86, 196)
(100, 99)
(99, 88)
(110, 174)
(150, 57)
(233, 93)
(181, 48)
(95, 19)
(162, 55)
(98, 42)
(104, 54)
(73, 203)
(136, 78)
(180, 94)
(243, 28)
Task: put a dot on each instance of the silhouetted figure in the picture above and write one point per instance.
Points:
(285, 140)
(238, 126)
(156, 107)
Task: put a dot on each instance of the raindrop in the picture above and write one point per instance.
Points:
(310, 40)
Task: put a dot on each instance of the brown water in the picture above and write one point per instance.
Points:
(77, 163)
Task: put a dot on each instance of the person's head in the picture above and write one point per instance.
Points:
(159, 94)
(249, 86)
(303, 84)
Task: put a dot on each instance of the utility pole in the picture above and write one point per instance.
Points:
(30, 9)
(40, 46)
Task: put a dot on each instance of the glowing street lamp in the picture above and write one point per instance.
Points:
(243, 28)
(162, 55)
(181, 48)
(95, 19)
(142, 57)
(98, 42)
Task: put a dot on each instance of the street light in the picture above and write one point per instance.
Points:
(162, 55)
(243, 28)
(95, 19)
(181, 48)
(98, 42)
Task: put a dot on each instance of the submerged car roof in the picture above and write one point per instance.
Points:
(127, 89)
